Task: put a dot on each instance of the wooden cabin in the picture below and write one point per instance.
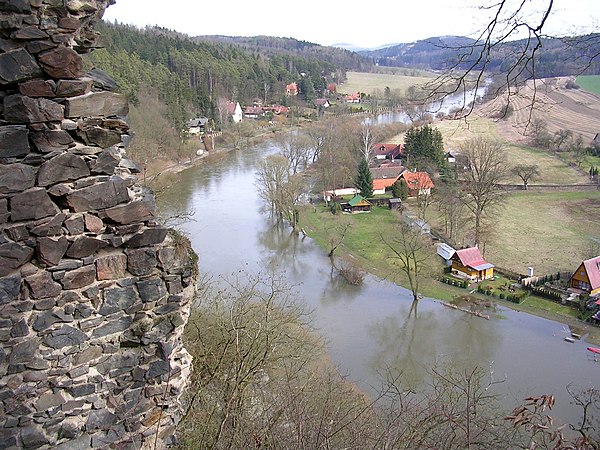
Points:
(357, 205)
(469, 262)
(587, 276)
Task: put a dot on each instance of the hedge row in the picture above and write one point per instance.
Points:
(455, 282)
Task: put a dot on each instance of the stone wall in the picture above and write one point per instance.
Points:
(94, 293)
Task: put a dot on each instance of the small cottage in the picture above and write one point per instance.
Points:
(469, 262)
(587, 276)
(357, 205)
(418, 183)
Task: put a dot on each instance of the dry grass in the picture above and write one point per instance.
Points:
(561, 108)
(370, 82)
(549, 231)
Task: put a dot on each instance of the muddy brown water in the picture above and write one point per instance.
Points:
(370, 326)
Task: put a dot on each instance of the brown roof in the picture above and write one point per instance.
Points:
(387, 172)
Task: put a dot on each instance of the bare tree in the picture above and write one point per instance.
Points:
(280, 189)
(485, 170)
(562, 137)
(295, 147)
(447, 197)
(409, 249)
(526, 172)
(367, 140)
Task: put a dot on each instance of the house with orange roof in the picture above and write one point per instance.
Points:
(587, 276)
(469, 262)
(331, 88)
(385, 177)
(352, 98)
(418, 183)
(291, 89)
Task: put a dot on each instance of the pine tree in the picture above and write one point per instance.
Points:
(424, 144)
(364, 181)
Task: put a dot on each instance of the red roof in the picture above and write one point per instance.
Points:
(592, 267)
(382, 183)
(417, 180)
(331, 87)
(471, 257)
(393, 150)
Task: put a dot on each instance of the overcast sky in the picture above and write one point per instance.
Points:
(367, 23)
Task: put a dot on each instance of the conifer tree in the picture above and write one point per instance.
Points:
(364, 181)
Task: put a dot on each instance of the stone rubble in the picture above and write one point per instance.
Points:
(94, 292)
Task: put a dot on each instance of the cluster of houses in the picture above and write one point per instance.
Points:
(386, 171)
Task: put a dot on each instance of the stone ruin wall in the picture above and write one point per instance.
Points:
(94, 293)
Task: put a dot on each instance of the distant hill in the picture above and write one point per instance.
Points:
(556, 57)
(341, 58)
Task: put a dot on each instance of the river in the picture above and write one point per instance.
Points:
(369, 327)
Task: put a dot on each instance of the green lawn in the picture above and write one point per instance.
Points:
(365, 243)
(370, 82)
(590, 83)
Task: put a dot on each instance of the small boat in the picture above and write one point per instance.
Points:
(594, 349)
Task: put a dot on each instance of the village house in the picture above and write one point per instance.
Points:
(197, 126)
(331, 89)
(418, 183)
(468, 262)
(333, 194)
(322, 103)
(234, 110)
(448, 156)
(352, 98)
(384, 177)
(291, 89)
(587, 277)
(388, 151)
(357, 205)
(253, 112)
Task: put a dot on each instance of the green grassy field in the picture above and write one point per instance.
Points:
(364, 243)
(370, 82)
(590, 83)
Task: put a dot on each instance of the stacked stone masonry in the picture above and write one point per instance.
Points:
(94, 292)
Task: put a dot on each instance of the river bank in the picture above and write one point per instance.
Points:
(363, 245)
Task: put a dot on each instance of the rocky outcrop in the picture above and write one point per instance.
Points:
(94, 292)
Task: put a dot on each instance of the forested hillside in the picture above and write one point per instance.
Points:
(277, 46)
(556, 57)
(191, 77)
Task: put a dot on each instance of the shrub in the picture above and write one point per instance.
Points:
(502, 295)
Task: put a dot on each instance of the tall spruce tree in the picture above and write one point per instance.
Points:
(364, 181)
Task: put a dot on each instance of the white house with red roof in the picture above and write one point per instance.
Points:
(587, 276)
(469, 262)
(418, 183)
(234, 110)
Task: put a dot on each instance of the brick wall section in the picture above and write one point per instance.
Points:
(94, 293)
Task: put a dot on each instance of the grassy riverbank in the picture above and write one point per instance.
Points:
(363, 244)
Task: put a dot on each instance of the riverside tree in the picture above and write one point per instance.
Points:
(279, 188)
(408, 248)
